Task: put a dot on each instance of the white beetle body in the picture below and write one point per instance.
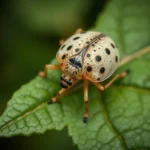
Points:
(89, 55)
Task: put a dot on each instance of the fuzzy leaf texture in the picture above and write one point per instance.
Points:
(119, 118)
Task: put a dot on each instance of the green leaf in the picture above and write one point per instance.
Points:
(119, 118)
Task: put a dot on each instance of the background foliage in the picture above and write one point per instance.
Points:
(119, 117)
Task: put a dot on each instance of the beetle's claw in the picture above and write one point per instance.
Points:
(50, 101)
(85, 119)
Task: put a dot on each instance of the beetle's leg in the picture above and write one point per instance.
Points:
(79, 30)
(47, 66)
(85, 118)
(117, 76)
(61, 93)
(61, 42)
(99, 86)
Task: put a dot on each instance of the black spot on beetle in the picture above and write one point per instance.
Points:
(69, 47)
(102, 70)
(116, 58)
(63, 46)
(113, 46)
(88, 55)
(77, 49)
(76, 38)
(64, 56)
(98, 79)
(89, 68)
(98, 58)
(107, 51)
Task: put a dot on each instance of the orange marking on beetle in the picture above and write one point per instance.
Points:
(82, 76)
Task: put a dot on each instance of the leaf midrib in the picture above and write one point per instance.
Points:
(24, 115)
(110, 124)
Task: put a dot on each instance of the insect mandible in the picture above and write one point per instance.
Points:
(89, 56)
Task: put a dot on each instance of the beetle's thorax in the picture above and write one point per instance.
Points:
(73, 66)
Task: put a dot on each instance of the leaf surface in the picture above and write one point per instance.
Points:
(119, 118)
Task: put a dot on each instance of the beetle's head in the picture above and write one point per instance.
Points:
(66, 81)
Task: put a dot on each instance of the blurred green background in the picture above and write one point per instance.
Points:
(29, 35)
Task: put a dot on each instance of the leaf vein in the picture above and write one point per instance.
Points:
(111, 126)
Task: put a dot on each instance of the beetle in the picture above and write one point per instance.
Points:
(89, 56)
